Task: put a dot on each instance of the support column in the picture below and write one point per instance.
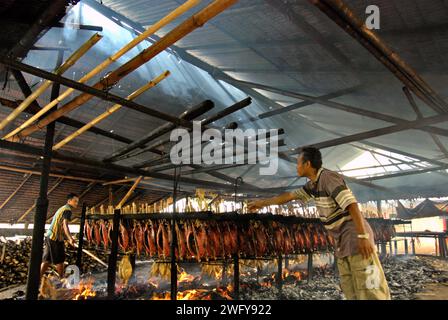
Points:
(310, 267)
(113, 257)
(379, 209)
(33, 280)
(81, 237)
(279, 275)
(406, 250)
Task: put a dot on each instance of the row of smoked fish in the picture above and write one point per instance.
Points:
(211, 240)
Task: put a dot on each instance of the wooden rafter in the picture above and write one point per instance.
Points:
(57, 183)
(15, 191)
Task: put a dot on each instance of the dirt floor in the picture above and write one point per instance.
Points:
(435, 291)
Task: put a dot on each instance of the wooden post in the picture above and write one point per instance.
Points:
(224, 274)
(396, 246)
(413, 246)
(173, 239)
(33, 279)
(236, 277)
(310, 266)
(442, 248)
(390, 247)
(113, 256)
(383, 249)
(81, 236)
(406, 251)
(279, 275)
(111, 196)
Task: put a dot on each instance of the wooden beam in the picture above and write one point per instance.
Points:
(57, 183)
(35, 108)
(186, 27)
(338, 106)
(15, 191)
(77, 26)
(345, 18)
(377, 132)
(111, 110)
(108, 183)
(131, 190)
(419, 114)
(89, 91)
(46, 84)
(55, 175)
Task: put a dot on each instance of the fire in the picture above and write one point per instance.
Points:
(85, 290)
(196, 294)
(185, 277)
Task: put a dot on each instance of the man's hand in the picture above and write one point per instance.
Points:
(365, 248)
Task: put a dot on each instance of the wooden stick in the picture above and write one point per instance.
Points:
(119, 181)
(55, 175)
(110, 111)
(94, 257)
(60, 70)
(58, 182)
(123, 201)
(150, 31)
(15, 191)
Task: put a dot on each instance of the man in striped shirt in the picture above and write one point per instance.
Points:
(360, 270)
(54, 252)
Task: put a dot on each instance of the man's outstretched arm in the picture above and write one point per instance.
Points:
(280, 199)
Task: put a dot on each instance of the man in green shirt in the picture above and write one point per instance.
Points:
(360, 270)
(54, 252)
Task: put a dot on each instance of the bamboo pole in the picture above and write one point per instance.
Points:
(15, 191)
(126, 197)
(108, 183)
(146, 55)
(58, 182)
(59, 70)
(55, 175)
(150, 31)
(111, 110)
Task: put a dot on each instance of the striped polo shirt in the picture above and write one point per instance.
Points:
(56, 230)
(332, 197)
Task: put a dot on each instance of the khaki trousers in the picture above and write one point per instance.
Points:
(363, 279)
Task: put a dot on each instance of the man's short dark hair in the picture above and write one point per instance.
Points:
(312, 155)
(70, 196)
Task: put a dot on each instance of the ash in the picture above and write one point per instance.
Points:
(406, 276)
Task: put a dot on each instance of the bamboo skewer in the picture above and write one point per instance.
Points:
(111, 110)
(150, 31)
(126, 197)
(60, 70)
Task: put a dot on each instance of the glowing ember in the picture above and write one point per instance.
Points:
(196, 294)
(185, 277)
(85, 290)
